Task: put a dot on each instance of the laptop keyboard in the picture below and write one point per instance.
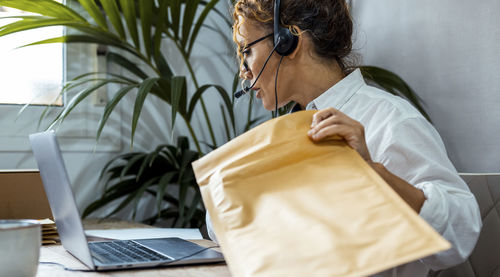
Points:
(123, 251)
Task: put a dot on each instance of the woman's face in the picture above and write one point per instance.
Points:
(255, 57)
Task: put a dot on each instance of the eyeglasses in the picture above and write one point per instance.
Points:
(244, 50)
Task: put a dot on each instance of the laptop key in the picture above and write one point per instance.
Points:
(123, 252)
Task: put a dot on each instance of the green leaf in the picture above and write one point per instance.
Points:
(126, 64)
(79, 98)
(159, 28)
(252, 122)
(175, 14)
(95, 12)
(182, 143)
(163, 66)
(110, 107)
(128, 8)
(190, 9)
(125, 156)
(393, 84)
(162, 185)
(194, 206)
(140, 192)
(113, 14)
(108, 198)
(226, 126)
(223, 94)
(144, 90)
(199, 23)
(81, 39)
(30, 24)
(132, 162)
(146, 13)
(44, 7)
(178, 91)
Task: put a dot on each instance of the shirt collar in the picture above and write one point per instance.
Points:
(340, 93)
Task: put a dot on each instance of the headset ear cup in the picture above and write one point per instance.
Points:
(284, 41)
(287, 42)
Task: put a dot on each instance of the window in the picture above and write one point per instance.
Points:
(32, 74)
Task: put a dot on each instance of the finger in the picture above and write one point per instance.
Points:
(331, 120)
(322, 114)
(330, 131)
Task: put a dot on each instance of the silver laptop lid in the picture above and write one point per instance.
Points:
(58, 189)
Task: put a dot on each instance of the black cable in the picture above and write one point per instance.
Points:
(160, 264)
(246, 89)
(276, 88)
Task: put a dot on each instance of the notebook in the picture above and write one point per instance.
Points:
(108, 255)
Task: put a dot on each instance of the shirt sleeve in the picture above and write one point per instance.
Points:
(414, 151)
(210, 228)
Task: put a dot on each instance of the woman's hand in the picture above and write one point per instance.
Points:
(330, 122)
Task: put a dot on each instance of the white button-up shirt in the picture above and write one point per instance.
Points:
(400, 138)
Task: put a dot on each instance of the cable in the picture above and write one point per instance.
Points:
(66, 268)
(276, 89)
(190, 255)
(158, 265)
(238, 94)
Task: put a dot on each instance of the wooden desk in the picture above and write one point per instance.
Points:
(59, 255)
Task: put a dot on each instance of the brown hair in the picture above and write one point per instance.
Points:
(328, 22)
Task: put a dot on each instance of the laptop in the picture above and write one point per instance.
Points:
(106, 255)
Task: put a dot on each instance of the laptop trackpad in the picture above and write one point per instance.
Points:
(177, 248)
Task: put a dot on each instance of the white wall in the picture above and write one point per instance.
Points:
(448, 52)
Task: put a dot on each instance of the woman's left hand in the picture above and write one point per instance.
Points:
(331, 122)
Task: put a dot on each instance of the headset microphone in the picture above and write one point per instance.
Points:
(240, 93)
(284, 44)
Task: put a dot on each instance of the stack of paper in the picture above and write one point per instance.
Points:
(49, 232)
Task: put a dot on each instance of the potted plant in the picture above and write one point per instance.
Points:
(140, 28)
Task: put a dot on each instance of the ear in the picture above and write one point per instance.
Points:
(297, 32)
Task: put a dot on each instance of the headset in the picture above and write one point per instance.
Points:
(284, 44)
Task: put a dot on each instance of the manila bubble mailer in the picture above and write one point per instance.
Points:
(283, 205)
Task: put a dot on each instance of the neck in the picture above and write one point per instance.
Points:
(313, 79)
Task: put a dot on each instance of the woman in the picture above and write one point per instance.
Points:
(390, 135)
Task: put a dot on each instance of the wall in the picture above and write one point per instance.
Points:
(448, 53)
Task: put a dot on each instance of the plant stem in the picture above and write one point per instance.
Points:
(193, 76)
(193, 135)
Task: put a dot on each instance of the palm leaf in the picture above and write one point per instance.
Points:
(162, 186)
(113, 14)
(178, 91)
(107, 198)
(127, 64)
(82, 39)
(146, 13)
(175, 15)
(110, 106)
(30, 23)
(140, 193)
(128, 8)
(131, 163)
(199, 23)
(393, 84)
(159, 28)
(226, 126)
(222, 93)
(44, 7)
(80, 97)
(190, 9)
(144, 89)
(95, 12)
